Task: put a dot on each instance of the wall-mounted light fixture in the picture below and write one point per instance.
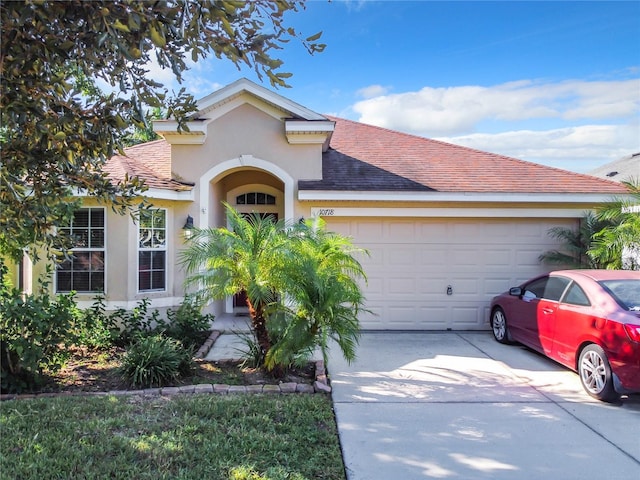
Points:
(187, 230)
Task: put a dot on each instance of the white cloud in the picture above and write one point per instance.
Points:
(458, 110)
(372, 91)
(577, 125)
(580, 149)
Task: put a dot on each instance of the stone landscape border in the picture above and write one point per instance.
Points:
(320, 384)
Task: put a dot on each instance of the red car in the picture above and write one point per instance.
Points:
(587, 320)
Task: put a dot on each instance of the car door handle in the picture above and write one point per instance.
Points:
(548, 311)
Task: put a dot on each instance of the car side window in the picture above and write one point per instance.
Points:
(555, 287)
(576, 296)
(535, 289)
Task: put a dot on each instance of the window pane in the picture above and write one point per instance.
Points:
(81, 218)
(97, 261)
(157, 261)
(555, 288)
(81, 281)
(157, 280)
(536, 288)
(271, 200)
(158, 239)
(241, 199)
(81, 261)
(159, 219)
(97, 217)
(145, 237)
(146, 219)
(97, 238)
(251, 198)
(144, 281)
(81, 237)
(64, 281)
(576, 296)
(144, 260)
(97, 282)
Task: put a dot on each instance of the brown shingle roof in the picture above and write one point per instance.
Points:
(150, 162)
(364, 157)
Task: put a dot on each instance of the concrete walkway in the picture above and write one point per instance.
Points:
(461, 406)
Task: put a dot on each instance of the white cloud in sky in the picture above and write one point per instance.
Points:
(580, 149)
(372, 91)
(593, 122)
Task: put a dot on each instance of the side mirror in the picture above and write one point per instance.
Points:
(515, 291)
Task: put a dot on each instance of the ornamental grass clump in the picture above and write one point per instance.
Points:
(155, 361)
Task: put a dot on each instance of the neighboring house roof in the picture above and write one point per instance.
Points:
(623, 169)
(150, 162)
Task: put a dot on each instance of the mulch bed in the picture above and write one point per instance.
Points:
(96, 371)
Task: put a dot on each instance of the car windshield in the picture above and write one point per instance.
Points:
(625, 292)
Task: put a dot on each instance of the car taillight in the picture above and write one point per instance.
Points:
(633, 332)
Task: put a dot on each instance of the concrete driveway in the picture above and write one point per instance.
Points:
(462, 406)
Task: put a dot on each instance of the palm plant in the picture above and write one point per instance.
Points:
(617, 245)
(301, 283)
(246, 256)
(575, 244)
(323, 296)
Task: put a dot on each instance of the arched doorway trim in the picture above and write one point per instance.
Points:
(243, 161)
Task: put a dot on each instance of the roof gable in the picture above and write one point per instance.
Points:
(302, 125)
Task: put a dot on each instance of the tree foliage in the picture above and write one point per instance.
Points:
(58, 132)
(617, 245)
(575, 244)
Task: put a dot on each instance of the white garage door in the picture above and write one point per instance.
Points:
(436, 274)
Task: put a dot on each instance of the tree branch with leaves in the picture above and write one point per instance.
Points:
(58, 132)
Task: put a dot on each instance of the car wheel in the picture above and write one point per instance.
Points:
(595, 374)
(499, 326)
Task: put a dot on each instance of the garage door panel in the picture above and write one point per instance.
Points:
(432, 231)
(464, 257)
(402, 232)
(466, 317)
(497, 258)
(527, 258)
(432, 257)
(402, 316)
(433, 285)
(437, 317)
(402, 286)
(402, 256)
(368, 230)
(413, 260)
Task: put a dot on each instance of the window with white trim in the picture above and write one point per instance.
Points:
(83, 271)
(255, 198)
(152, 250)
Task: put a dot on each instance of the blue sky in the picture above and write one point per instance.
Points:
(556, 83)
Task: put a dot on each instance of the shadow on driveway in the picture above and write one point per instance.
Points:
(460, 405)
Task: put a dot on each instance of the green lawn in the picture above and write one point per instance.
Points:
(203, 437)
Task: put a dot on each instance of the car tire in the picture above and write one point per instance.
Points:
(595, 374)
(499, 326)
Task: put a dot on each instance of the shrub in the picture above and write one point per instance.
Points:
(35, 333)
(188, 324)
(136, 322)
(97, 329)
(154, 361)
